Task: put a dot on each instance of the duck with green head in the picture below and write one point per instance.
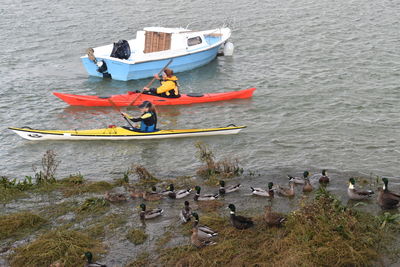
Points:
(324, 179)
(89, 261)
(386, 198)
(227, 189)
(356, 194)
(149, 214)
(206, 197)
(257, 191)
(239, 222)
(171, 193)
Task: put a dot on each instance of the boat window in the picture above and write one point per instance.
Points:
(194, 41)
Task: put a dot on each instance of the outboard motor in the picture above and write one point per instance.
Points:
(102, 68)
(121, 50)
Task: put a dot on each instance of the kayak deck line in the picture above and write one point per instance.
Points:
(119, 133)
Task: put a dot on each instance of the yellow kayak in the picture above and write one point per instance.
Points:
(120, 133)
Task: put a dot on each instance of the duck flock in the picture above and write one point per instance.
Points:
(203, 235)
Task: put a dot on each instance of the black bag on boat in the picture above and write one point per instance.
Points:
(121, 50)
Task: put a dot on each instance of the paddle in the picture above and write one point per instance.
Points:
(120, 112)
(151, 82)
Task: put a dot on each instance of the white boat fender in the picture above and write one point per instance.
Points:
(228, 49)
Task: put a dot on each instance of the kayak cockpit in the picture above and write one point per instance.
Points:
(137, 130)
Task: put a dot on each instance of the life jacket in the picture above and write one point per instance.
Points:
(148, 122)
(169, 87)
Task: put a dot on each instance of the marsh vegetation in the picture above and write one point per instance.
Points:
(320, 228)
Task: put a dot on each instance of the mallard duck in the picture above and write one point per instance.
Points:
(307, 187)
(206, 197)
(262, 192)
(154, 190)
(176, 194)
(151, 196)
(114, 197)
(197, 242)
(135, 193)
(239, 222)
(357, 194)
(273, 218)
(324, 179)
(287, 192)
(186, 213)
(90, 263)
(387, 199)
(149, 214)
(204, 232)
(299, 180)
(229, 189)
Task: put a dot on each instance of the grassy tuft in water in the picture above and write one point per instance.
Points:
(225, 168)
(73, 179)
(322, 232)
(136, 236)
(54, 211)
(19, 224)
(146, 179)
(87, 187)
(64, 246)
(210, 206)
(140, 261)
(49, 166)
(94, 205)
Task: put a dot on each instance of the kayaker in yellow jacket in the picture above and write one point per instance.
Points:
(169, 85)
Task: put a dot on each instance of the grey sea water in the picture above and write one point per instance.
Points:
(326, 72)
(327, 75)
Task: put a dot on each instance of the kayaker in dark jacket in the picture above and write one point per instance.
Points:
(148, 119)
(169, 85)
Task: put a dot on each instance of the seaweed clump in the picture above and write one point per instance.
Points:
(20, 223)
(146, 179)
(94, 205)
(83, 187)
(322, 232)
(136, 236)
(226, 168)
(63, 246)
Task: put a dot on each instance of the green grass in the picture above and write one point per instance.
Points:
(140, 261)
(64, 246)
(20, 224)
(136, 236)
(88, 187)
(93, 205)
(7, 195)
(56, 210)
(321, 232)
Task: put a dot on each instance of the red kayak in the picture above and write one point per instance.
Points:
(126, 99)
